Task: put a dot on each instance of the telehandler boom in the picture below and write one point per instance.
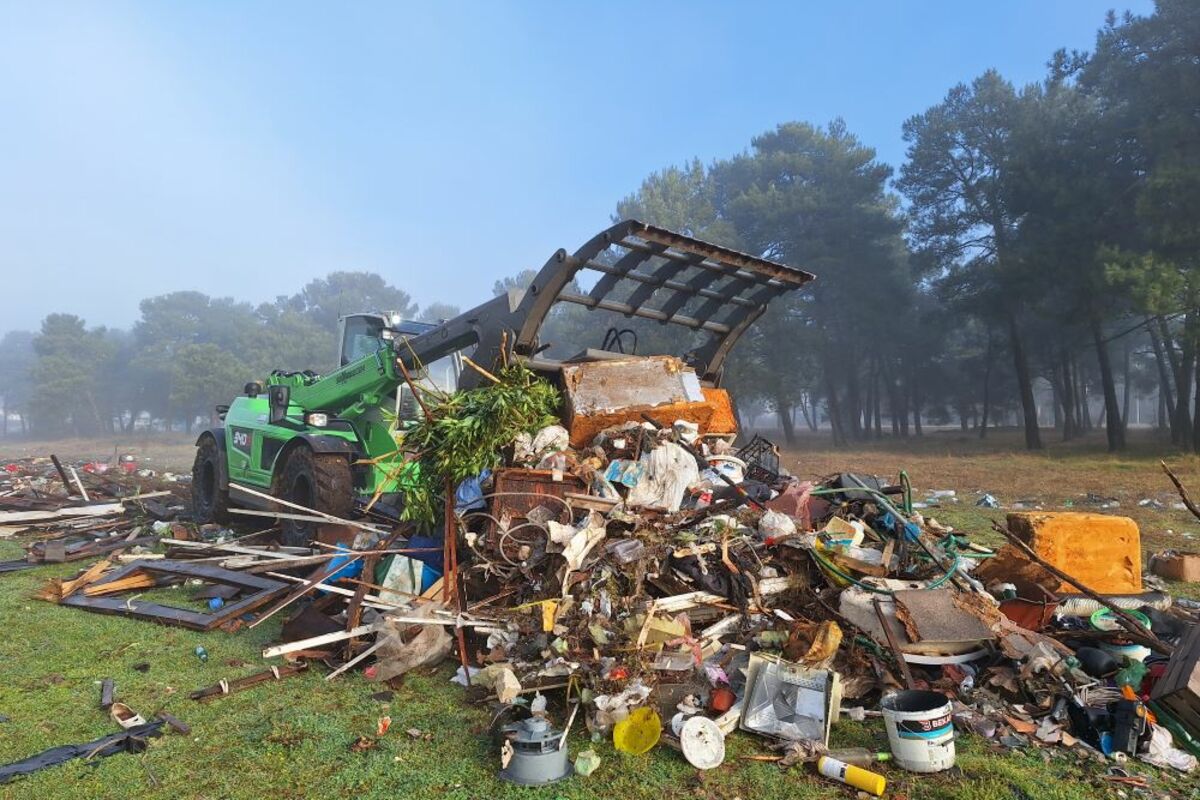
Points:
(329, 442)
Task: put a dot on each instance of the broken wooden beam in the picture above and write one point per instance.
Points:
(222, 688)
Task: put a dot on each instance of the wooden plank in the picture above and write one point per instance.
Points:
(79, 485)
(315, 642)
(281, 553)
(355, 609)
(139, 581)
(329, 570)
(323, 517)
(378, 643)
(92, 573)
(62, 473)
(590, 502)
(371, 600)
(174, 723)
(682, 602)
(228, 687)
(67, 512)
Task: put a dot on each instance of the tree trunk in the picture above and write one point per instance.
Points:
(853, 402)
(1166, 397)
(1056, 399)
(1183, 400)
(1127, 389)
(1033, 438)
(914, 393)
(784, 412)
(1083, 416)
(1070, 421)
(1196, 416)
(878, 407)
(1190, 421)
(831, 401)
(1182, 365)
(987, 386)
(1112, 411)
(868, 402)
(808, 421)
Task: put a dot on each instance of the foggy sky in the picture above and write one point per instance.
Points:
(244, 149)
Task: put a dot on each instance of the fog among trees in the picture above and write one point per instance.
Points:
(1034, 261)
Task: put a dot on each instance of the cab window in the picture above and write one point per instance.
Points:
(362, 337)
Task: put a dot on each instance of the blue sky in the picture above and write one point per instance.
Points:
(245, 148)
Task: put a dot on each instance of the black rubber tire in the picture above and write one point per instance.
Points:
(318, 481)
(210, 503)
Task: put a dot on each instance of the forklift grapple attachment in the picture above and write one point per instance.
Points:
(634, 270)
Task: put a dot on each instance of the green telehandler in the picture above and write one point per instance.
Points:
(329, 442)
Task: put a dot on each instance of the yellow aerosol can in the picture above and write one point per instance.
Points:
(859, 778)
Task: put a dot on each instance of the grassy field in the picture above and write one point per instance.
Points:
(296, 738)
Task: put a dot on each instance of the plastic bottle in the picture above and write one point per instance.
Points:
(201, 653)
(859, 778)
(859, 756)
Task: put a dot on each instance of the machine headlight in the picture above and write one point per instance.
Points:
(316, 419)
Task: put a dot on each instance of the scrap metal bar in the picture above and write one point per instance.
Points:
(893, 643)
(702, 261)
(643, 312)
(723, 255)
(673, 285)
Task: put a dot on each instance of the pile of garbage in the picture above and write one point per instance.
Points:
(634, 571)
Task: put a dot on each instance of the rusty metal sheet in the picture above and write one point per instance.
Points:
(599, 387)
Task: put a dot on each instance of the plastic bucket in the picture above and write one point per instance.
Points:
(920, 730)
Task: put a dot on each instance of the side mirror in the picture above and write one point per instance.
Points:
(252, 389)
(278, 398)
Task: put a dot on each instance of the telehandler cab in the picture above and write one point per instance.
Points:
(329, 442)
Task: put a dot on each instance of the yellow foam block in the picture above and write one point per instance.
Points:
(1102, 552)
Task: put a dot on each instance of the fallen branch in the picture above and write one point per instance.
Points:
(1183, 495)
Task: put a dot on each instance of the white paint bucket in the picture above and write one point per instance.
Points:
(920, 730)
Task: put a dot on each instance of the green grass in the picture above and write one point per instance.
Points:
(294, 739)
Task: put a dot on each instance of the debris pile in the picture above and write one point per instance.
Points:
(629, 569)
